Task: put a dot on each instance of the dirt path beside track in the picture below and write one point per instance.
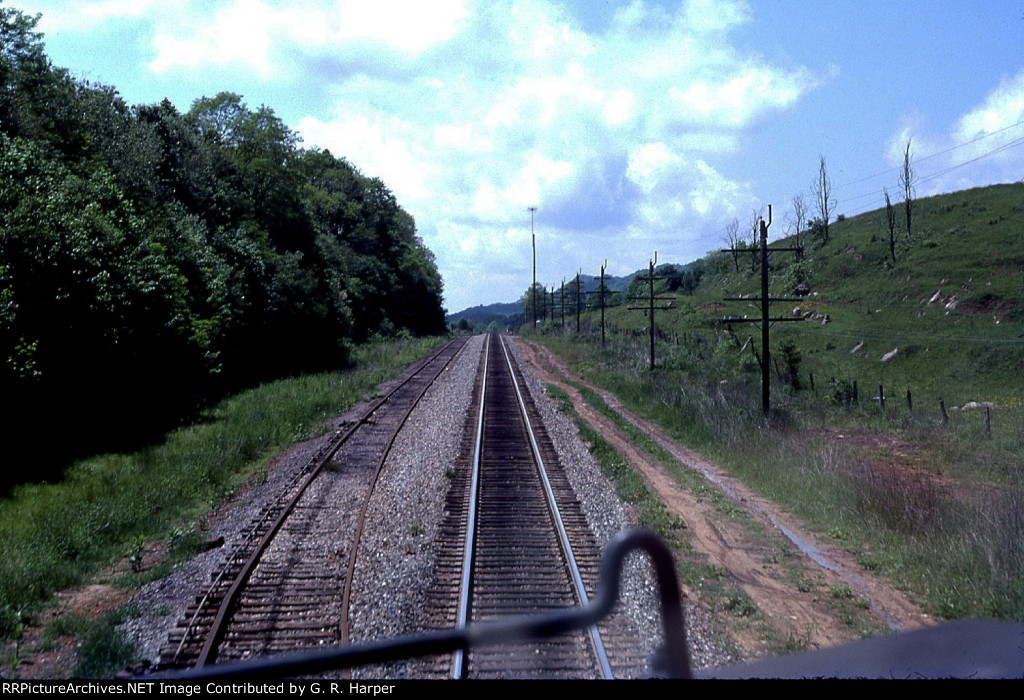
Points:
(797, 608)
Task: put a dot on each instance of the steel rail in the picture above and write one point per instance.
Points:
(672, 659)
(563, 536)
(346, 597)
(225, 609)
(462, 617)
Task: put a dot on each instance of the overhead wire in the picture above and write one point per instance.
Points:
(931, 176)
(932, 155)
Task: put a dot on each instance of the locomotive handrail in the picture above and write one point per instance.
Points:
(671, 661)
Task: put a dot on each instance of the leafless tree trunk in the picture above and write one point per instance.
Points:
(732, 239)
(823, 198)
(755, 236)
(907, 180)
(890, 221)
(800, 220)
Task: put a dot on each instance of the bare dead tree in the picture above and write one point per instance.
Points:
(890, 222)
(732, 239)
(755, 236)
(823, 198)
(799, 221)
(907, 182)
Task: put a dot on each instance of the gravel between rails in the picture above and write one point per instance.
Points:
(396, 558)
(607, 515)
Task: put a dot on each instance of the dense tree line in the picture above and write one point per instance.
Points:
(147, 255)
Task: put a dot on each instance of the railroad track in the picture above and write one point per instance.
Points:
(516, 542)
(281, 588)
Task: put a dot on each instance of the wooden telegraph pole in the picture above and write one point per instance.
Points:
(533, 287)
(562, 297)
(578, 298)
(650, 304)
(765, 300)
(602, 301)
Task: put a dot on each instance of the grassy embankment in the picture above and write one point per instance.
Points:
(109, 507)
(936, 506)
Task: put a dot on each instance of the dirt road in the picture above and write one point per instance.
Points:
(798, 608)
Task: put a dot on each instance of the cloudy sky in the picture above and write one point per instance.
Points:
(633, 126)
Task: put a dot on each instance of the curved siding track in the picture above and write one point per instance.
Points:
(282, 588)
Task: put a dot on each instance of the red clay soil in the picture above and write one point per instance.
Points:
(796, 612)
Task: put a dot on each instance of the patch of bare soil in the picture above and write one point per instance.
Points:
(36, 658)
(794, 608)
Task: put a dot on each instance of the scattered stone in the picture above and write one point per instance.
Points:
(857, 347)
(889, 355)
(972, 405)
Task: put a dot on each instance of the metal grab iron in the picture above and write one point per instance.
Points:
(672, 660)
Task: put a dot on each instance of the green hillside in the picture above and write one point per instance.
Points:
(952, 304)
(933, 502)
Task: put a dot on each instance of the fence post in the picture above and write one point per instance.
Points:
(988, 424)
(910, 402)
(942, 410)
(881, 398)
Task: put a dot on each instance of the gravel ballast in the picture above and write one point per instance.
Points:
(396, 556)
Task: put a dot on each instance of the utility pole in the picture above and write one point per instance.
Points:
(765, 301)
(651, 314)
(562, 298)
(533, 287)
(649, 309)
(578, 298)
(602, 301)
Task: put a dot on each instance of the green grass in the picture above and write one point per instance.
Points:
(56, 535)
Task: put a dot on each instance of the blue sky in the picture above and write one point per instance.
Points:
(633, 126)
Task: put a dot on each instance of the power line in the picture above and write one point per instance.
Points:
(933, 155)
(931, 176)
(1004, 147)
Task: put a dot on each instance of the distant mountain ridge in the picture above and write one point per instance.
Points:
(503, 311)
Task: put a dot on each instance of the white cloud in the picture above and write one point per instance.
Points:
(86, 16)
(613, 136)
(1004, 107)
(380, 146)
(714, 16)
(259, 34)
(737, 100)
(648, 162)
(411, 27)
(983, 146)
(241, 33)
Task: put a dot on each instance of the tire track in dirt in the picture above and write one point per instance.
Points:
(794, 613)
